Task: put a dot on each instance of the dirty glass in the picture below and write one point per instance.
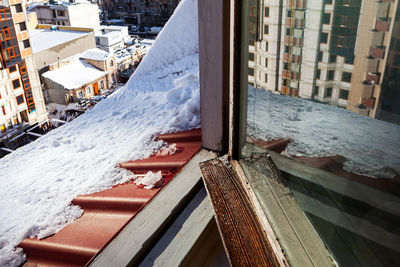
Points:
(324, 94)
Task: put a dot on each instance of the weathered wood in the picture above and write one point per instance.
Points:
(213, 65)
(335, 183)
(300, 242)
(244, 239)
(138, 235)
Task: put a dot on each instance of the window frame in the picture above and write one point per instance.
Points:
(19, 84)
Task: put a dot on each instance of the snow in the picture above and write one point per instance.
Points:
(75, 74)
(39, 180)
(95, 54)
(150, 180)
(371, 147)
(44, 38)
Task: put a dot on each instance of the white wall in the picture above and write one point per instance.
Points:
(84, 15)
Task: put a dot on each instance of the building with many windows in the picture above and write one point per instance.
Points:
(21, 98)
(334, 51)
(141, 12)
(80, 14)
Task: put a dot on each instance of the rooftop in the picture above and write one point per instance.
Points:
(95, 54)
(42, 39)
(70, 76)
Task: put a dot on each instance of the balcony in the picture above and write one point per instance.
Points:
(297, 23)
(382, 25)
(298, 41)
(377, 52)
(372, 78)
(297, 4)
(372, 64)
(368, 102)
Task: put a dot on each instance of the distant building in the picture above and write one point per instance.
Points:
(336, 52)
(79, 14)
(111, 38)
(21, 98)
(50, 46)
(92, 73)
(143, 13)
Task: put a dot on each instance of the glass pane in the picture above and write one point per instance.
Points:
(324, 96)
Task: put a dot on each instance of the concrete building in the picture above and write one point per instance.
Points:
(333, 51)
(75, 14)
(50, 46)
(91, 73)
(143, 13)
(111, 38)
(21, 98)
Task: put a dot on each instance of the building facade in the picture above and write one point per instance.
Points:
(333, 51)
(81, 14)
(21, 98)
(64, 82)
(141, 12)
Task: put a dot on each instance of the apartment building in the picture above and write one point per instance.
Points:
(142, 12)
(75, 14)
(21, 98)
(339, 52)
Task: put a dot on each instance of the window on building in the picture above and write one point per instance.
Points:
(54, 14)
(16, 83)
(111, 63)
(343, 94)
(328, 2)
(80, 94)
(289, 13)
(266, 46)
(320, 56)
(60, 13)
(22, 26)
(26, 43)
(266, 29)
(266, 78)
(12, 69)
(266, 62)
(266, 12)
(324, 38)
(286, 49)
(318, 75)
(288, 31)
(18, 8)
(326, 18)
(251, 71)
(331, 75)
(4, 110)
(101, 84)
(346, 76)
(285, 66)
(316, 90)
(251, 56)
(328, 92)
(20, 99)
(88, 91)
(332, 58)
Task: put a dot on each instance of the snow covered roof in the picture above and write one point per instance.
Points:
(45, 38)
(81, 156)
(75, 74)
(95, 54)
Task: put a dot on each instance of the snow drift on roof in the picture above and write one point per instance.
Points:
(75, 74)
(371, 147)
(95, 54)
(40, 179)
